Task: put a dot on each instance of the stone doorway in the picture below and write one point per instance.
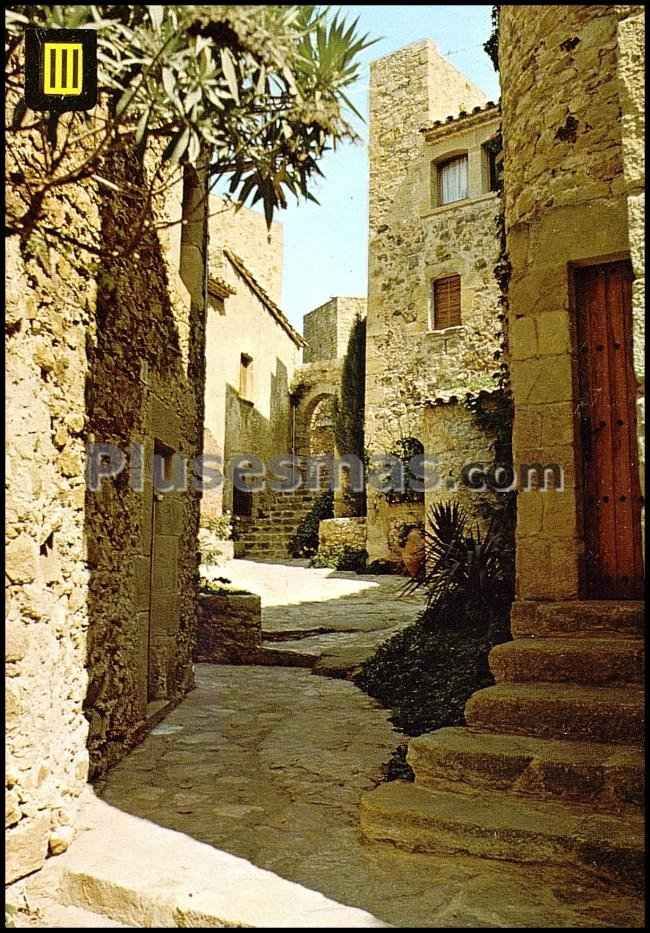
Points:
(163, 608)
(611, 491)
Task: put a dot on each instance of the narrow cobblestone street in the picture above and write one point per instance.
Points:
(339, 617)
(269, 764)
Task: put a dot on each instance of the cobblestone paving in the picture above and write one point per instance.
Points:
(269, 764)
(338, 616)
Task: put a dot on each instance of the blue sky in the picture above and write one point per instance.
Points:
(325, 247)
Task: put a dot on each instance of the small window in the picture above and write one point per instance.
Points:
(452, 180)
(242, 502)
(163, 467)
(446, 302)
(493, 157)
(246, 376)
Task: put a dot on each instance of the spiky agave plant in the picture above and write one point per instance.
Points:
(463, 568)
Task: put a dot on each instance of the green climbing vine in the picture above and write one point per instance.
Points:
(491, 46)
(493, 412)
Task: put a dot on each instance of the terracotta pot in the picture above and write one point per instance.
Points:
(413, 553)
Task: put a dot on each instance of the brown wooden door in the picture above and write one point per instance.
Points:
(612, 494)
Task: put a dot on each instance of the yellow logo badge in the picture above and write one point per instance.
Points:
(60, 69)
(63, 68)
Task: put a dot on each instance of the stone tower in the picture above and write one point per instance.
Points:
(410, 237)
(408, 89)
(548, 767)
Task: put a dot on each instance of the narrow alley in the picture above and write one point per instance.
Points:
(269, 763)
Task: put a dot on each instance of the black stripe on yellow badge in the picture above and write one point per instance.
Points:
(60, 69)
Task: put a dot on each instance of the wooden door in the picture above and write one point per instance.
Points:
(612, 494)
(163, 574)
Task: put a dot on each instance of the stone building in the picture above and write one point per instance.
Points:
(549, 768)
(432, 294)
(574, 215)
(101, 599)
(309, 401)
(252, 350)
(327, 328)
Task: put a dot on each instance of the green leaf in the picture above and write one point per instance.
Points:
(247, 187)
(176, 147)
(229, 73)
(125, 100)
(12, 17)
(169, 84)
(142, 126)
(156, 15)
(193, 98)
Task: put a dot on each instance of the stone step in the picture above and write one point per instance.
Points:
(502, 826)
(272, 656)
(344, 663)
(557, 711)
(141, 874)
(573, 660)
(267, 551)
(577, 618)
(609, 777)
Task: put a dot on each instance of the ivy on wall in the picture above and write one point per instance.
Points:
(492, 45)
(494, 413)
(349, 414)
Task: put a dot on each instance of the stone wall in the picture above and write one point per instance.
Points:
(256, 421)
(336, 533)
(246, 234)
(408, 363)
(384, 521)
(229, 628)
(319, 331)
(278, 514)
(413, 242)
(631, 79)
(49, 317)
(312, 384)
(105, 345)
(145, 386)
(452, 439)
(572, 124)
(327, 328)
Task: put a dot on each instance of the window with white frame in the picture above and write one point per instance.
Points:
(452, 180)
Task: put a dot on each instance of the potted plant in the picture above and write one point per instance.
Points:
(410, 537)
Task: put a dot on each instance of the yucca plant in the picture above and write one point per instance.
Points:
(464, 569)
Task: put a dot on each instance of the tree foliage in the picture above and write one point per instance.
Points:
(427, 672)
(305, 541)
(464, 569)
(491, 46)
(350, 410)
(261, 89)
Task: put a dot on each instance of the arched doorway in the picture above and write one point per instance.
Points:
(321, 438)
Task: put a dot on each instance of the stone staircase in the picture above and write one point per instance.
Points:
(276, 518)
(268, 533)
(549, 767)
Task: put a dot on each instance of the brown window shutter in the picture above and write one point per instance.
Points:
(446, 302)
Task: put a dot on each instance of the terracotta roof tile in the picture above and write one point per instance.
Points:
(463, 115)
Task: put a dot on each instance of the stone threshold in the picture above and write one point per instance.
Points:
(295, 634)
(157, 710)
(143, 875)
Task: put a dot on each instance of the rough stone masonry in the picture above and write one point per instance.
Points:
(422, 112)
(101, 602)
